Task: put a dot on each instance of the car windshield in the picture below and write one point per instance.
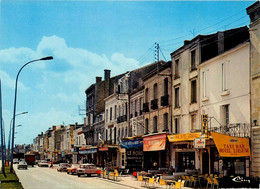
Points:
(63, 164)
(74, 166)
(22, 162)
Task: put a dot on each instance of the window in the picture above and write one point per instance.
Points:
(126, 105)
(165, 121)
(176, 69)
(155, 91)
(119, 135)
(165, 84)
(193, 121)
(146, 126)
(111, 113)
(226, 115)
(224, 84)
(115, 112)
(155, 124)
(193, 91)
(140, 104)
(110, 137)
(204, 84)
(193, 60)
(146, 95)
(136, 107)
(106, 115)
(131, 108)
(177, 100)
(126, 132)
(115, 135)
(177, 125)
(119, 111)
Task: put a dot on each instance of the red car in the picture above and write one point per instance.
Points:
(72, 169)
(86, 169)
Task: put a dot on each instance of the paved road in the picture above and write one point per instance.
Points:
(40, 177)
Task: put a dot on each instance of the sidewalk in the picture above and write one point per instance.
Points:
(128, 181)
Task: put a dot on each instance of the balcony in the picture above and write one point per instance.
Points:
(165, 100)
(124, 118)
(146, 107)
(176, 76)
(154, 104)
(118, 120)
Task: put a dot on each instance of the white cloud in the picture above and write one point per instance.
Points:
(62, 82)
(10, 83)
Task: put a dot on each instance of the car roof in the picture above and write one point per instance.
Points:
(87, 164)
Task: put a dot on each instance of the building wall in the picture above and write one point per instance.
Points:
(253, 12)
(186, 109)
(137, 120)
(236, 95)
(161, 110)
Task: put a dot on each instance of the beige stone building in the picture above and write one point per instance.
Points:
(254, 12)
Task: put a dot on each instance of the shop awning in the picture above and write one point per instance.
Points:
(154, 143)
(183, 137)
(229, 146)
(89, 151)
(132, 143)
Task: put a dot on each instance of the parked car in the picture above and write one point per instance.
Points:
(15, 161)
(22, 165)
(86, 169)
(43, 163)
(30, 159)
(63, 167)
(72, 169)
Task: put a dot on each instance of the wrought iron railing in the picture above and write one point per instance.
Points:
(236, 130)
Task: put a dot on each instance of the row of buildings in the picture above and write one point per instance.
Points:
(201, 110)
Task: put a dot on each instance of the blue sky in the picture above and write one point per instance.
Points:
(86, 37)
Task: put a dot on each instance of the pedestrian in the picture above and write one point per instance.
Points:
(51, 165)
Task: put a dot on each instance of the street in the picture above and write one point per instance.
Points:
(37, 177)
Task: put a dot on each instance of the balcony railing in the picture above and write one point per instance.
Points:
(154, 104)
(165, 100)
(146, 107)
(236, 130)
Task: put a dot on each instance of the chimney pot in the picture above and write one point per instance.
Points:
(107, 74)
(98, 79)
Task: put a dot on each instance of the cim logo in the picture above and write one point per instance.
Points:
(232, 140)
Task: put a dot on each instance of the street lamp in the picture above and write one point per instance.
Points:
(15, 96)
(9, 139)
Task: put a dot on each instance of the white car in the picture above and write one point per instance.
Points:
(43, 163)
(22, 165)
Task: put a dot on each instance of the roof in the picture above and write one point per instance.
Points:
(162, 66)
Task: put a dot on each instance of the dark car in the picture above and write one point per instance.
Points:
(63, 167)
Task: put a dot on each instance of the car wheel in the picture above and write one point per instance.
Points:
(68, 173)
(78, 175)
(88, 175)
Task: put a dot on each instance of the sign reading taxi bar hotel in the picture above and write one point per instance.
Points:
(229, 146)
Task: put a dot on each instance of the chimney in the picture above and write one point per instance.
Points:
(221, 47)
(53, 128)
(107, 74)
(186, 42)
(98, 79)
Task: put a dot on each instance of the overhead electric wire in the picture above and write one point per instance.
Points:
(202, 28)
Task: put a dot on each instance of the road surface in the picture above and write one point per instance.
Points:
(40, 177)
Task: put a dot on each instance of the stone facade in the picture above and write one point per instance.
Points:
(254, 12)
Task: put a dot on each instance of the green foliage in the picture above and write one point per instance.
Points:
(11, 181)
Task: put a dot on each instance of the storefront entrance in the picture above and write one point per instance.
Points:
(186, 160)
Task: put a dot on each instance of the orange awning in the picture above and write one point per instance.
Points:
(154, 143)
(229, 146)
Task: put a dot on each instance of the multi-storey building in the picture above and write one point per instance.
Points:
(157, 119)
(186, 92)
(254, 12)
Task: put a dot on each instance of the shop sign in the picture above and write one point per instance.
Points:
(229, 146)
(183, 137)
(71, 135)
(132, 144)
(154, 143)
(103, 149)
(89, 151)
(199, 142)
(204, 123)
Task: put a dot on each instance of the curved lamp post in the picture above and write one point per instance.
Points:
(8, 151)
(15, 96)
